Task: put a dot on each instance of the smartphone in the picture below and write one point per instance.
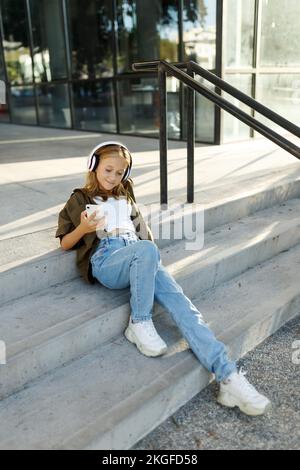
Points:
(91, 208)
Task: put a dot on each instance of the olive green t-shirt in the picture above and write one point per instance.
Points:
(69, 219)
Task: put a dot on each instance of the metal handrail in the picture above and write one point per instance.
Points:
(231, 90)
(234, 110)
(164, 68)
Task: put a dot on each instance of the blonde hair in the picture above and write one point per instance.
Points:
(92, 186)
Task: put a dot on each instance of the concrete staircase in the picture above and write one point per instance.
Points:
(72, 381)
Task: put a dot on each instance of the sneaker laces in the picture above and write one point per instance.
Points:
(245, 385)
(150, 328)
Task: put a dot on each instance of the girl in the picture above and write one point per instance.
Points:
(118, 251)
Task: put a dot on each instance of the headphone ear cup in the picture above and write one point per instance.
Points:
(128, 170)
(95, 162)
(127, 174)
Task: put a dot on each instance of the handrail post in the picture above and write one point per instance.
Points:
(163, 133)
(190, 137)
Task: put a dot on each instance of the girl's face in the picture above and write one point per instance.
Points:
(110, 172)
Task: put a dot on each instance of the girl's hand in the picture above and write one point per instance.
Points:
(91, 224)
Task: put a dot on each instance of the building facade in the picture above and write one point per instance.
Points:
(67, 63)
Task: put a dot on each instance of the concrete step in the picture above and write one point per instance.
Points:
(34, 261)
(83, 406)
(47, 329)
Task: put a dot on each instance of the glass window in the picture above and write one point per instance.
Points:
(147, 30)
(281, 93)
(233, 128)
(22, 101)
(199, 32)
(2, 70)
(16, 42)
(173, 112)
(91, 36)
(238, 33)
(2, 92)
(94, 106)
(280, 33)
(48, 39)
(4, 114)
(53, 105)
(139, 106)
(204, 115)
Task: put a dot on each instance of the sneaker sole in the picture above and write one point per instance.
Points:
(248, 410)
(141, 347)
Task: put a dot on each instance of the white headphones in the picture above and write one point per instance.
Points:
(93, 159)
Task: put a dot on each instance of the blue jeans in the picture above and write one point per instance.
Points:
(126, 261)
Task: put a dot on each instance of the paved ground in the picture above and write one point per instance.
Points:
(203, 424)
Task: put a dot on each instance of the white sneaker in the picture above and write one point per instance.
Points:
(145, 337)
(237, 391)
